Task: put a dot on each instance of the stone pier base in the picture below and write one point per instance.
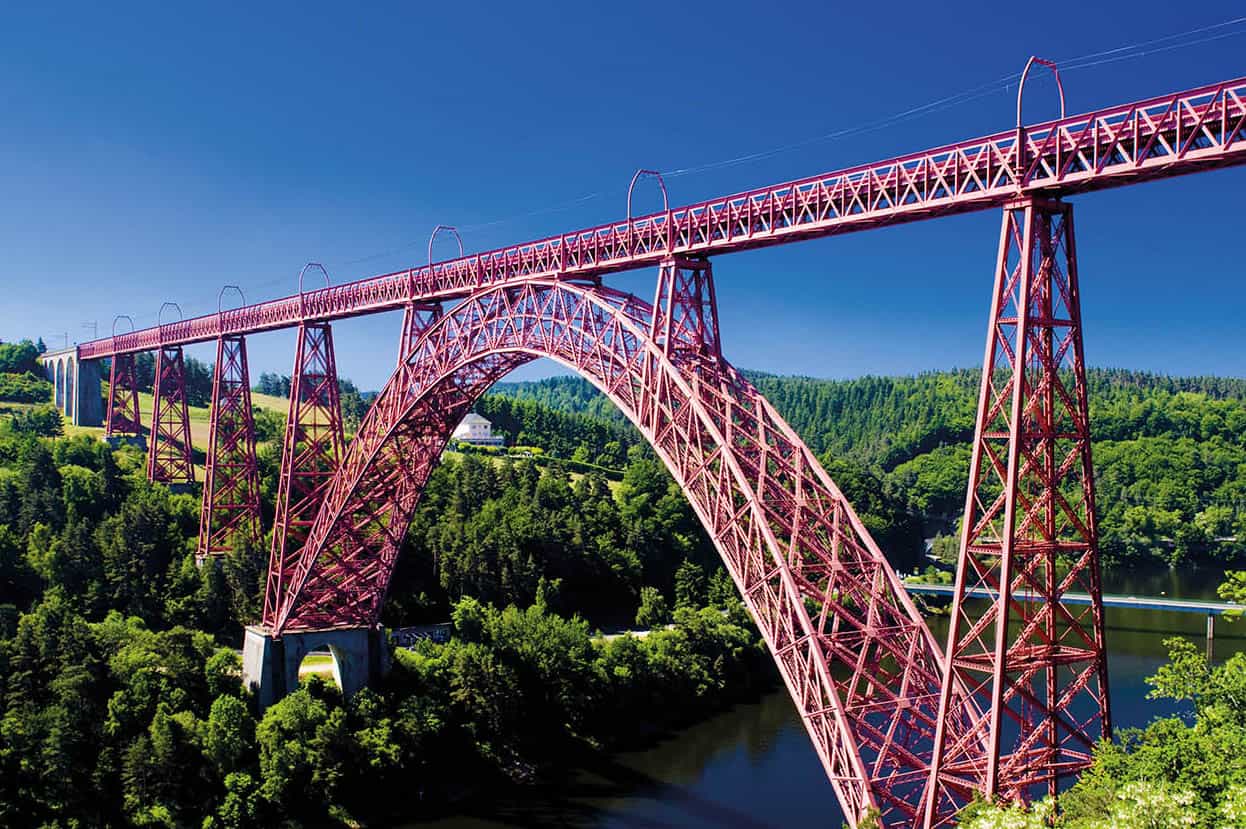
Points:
(270, 665)
(76, 389)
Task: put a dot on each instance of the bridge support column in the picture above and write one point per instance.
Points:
(169, 458)
(88, 403)
(310, 452)
(684, 326)
(685, 308)
(75, 386)
(122, 422)
(231, 488)
(416, 318)
(270, 664)
(1036, 664)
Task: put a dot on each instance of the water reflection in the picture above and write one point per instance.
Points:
(753, 766)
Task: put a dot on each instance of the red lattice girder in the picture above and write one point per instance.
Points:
(310, 452)
(123, 418)
(855, 655)
(1036, 665)
(416, 317)
(231, 488)
(169, 457)
(685, 309)
(1171, 135)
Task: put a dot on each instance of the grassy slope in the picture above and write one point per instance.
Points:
(200, 420)
(498, 460)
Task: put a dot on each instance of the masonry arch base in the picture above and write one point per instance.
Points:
(270, 664)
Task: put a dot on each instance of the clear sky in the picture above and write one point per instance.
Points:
(153, 152)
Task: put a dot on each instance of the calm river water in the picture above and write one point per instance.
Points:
(753, 766)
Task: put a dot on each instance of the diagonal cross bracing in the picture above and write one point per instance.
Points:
(1170, 135)
(1036, 665)
(169, 456)
(854, 653)
(311, 450)
(231, 489)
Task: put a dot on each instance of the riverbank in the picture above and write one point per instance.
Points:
(752, 766)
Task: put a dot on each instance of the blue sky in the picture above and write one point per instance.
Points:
(156, 153)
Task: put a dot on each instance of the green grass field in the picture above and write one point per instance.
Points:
(317, 663)
(200, 424)
(200, 420)
(498, 460)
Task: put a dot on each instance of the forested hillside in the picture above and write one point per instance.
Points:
(564, 394)
(21, 376)
(121, 703)
(120, 695)
(1170, 452)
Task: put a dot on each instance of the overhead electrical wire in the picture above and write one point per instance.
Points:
(1197, 36)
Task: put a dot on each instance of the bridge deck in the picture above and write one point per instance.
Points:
(1140, 603)
(1185, 132)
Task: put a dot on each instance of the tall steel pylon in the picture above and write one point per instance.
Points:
(123, 418)
(310, 451)
(231, 487)
(1036, 665)
(169, 458)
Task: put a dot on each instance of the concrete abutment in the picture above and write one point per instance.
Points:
(270, 664)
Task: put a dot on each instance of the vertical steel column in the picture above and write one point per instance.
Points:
(310, 453)
(416, 318)
(123, 418)
(169, 455)
(685, 308)
(231, 488)
(684, 326)
(1036, 664)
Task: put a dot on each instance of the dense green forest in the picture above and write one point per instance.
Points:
(21, 377)
(507, 533)
(1170, 452)
(21, 357)
(121, 702)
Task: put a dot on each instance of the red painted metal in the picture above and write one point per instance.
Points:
(231, 488)
(898, 725)
(416, 318)
(123, 418)
(685, 310)
(1185, 132)
(311, 450)
(169, 455)
(860, 664)
(1035, 665)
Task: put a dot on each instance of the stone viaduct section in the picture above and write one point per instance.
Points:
(76, 386)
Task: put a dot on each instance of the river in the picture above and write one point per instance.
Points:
(752, 767)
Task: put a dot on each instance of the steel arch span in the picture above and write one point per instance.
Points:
(860, 664)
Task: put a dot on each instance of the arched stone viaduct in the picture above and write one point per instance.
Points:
(76, 383)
